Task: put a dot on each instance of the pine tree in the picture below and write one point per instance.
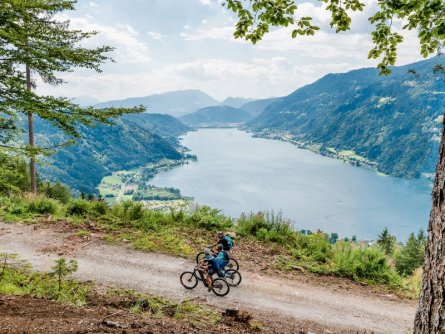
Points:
(34, 43)
(386, 241)
(411, 255)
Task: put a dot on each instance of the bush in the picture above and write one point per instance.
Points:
(311, 247)
(56, 191)
(99, 208)
(366, 263)
(129, 210)
(43, 205)
(14, 205)
(266, 226)
(14, 175)
(208, 218)
(78, 207)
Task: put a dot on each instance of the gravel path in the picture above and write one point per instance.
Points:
(159, 275)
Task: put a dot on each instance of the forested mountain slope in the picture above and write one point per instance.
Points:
(102, 150)
(393, 121)
(166, 126)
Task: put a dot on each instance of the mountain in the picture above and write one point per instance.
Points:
(102, 150)
(235, 102)
(173, 103)
(166, 126)
(85, 101)
(256, 107)
(392, 121)
(216, 116)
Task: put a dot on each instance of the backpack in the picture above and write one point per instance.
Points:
(230, 241)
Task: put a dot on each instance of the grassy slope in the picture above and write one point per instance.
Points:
(261, 239)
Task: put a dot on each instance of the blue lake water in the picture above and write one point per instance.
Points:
(237, 173)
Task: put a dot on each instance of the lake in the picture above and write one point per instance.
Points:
(237, 173)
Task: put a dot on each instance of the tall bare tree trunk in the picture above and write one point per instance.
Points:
(32, 161)
(430, 316)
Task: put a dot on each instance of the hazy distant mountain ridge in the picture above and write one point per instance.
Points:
(175, 103)
(256, 107)
(216, 116)
(236, 102)
(394, 121)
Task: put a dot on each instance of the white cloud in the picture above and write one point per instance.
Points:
(93, 4)
(129, 49)
(259, 77)
(223, 33)
(206, 2)
(155, 35)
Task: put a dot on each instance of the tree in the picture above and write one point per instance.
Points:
(411, 255)
(62, 269)
(333, 238)
(35, 43)
(386, 241)
(427, 17)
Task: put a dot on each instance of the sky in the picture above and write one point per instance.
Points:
(167, 45)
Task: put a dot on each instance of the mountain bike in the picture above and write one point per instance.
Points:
(189, 280)
(232, 277)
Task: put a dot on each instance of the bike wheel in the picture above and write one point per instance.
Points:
(220, 287)
(200, 256)
(233, 264)
(233, 277)
(188, 280)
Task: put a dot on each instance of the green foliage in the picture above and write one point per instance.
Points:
(35, 42)
(56, 191)
(265, 226)
(187, 310)
(62, 269)
(129, 210)
(43, 205)
(411, 256)
(333, 238)
(363, 263)
(208, 218)
(386, 241)
(314, 247)
(47, 56)
(17, 278)
(83, 207)
(13, 208)
(427, 17)
(14, 176)
(78, 207)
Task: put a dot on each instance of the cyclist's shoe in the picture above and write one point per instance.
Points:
(230, 276)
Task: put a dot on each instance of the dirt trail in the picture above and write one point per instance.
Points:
(159, 275)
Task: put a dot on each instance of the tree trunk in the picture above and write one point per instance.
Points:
(32, 161)
(430, 316)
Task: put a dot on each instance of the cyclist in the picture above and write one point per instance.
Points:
(222, 258)
(225, 240)
(208, 266)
